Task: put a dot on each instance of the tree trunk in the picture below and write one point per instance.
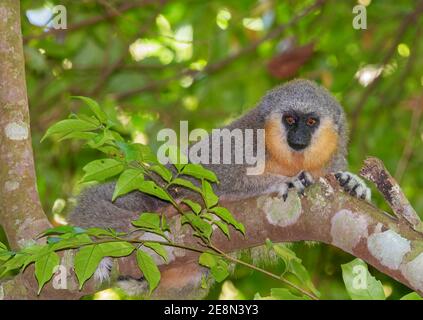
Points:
(21, 214)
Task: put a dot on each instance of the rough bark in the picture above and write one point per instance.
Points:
(21, 214)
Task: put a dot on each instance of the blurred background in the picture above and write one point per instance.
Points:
(152, 63)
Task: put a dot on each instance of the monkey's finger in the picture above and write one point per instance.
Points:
(344, 179)
(283, 191)
(306, 178)
(353, 185)
(299, 186)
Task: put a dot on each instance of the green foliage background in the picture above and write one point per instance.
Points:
(159, 90)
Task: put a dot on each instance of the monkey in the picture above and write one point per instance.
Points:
(306, 137)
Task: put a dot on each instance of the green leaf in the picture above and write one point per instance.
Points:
(137, 152)
(89, 119)
(5, 254)
(202, 226)
(360, 284)
(67, 126)
(99, 232)
(44, 268)
(210, 198)
(301, 273)
(227, 216)
(207, 259)
(195, 207)
(86, 262)
(199, 172)
(87, 258)
(116, 249)
(186, 183)
(283, 252)
(165, 226)
(95, 108)
(218, 267)
(101, 139)
(412, 296)
(177, 158)
(79, 135)
(158, 248)
(149, 269)
(162, 171)
(99, 170)
(147, 155)
(151, 188)
(74, 241)
(220, 271)
(110, 151)
(18, 261)
(128, 181)
(293, 265)
(224, 227)
(148, 220)
(62, 230)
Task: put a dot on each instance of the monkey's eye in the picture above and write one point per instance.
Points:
(311, 122)
(290, 120)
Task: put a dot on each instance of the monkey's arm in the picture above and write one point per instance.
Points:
(235, 184)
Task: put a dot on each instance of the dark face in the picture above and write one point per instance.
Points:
(300, 128)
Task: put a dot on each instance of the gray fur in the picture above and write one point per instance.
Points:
(95, 207)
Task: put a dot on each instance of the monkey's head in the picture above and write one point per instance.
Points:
(305, 125)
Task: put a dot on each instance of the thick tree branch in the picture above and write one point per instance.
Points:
(375, 171)
(328, 215)
(392, 245)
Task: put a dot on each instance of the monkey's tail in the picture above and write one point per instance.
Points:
(96, 209)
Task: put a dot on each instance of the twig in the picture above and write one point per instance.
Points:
(110, 70)
(374, 170)
(408, 21)
(212, 68)
(408, 148)
(253, 267)
(111, 14)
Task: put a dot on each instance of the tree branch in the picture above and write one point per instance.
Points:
(21, 214)
(219, 65)
(407, 22)
(326, 214)
(110, 14)
(375, 171)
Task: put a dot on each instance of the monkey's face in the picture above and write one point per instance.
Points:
(299, 128)
(298, 141)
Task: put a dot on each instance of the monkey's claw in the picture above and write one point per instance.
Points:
(353, 185)
(299, 183)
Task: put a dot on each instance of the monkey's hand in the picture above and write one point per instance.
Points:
(299, 183)
(353, 185)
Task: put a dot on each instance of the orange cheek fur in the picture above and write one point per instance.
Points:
(286, 162)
